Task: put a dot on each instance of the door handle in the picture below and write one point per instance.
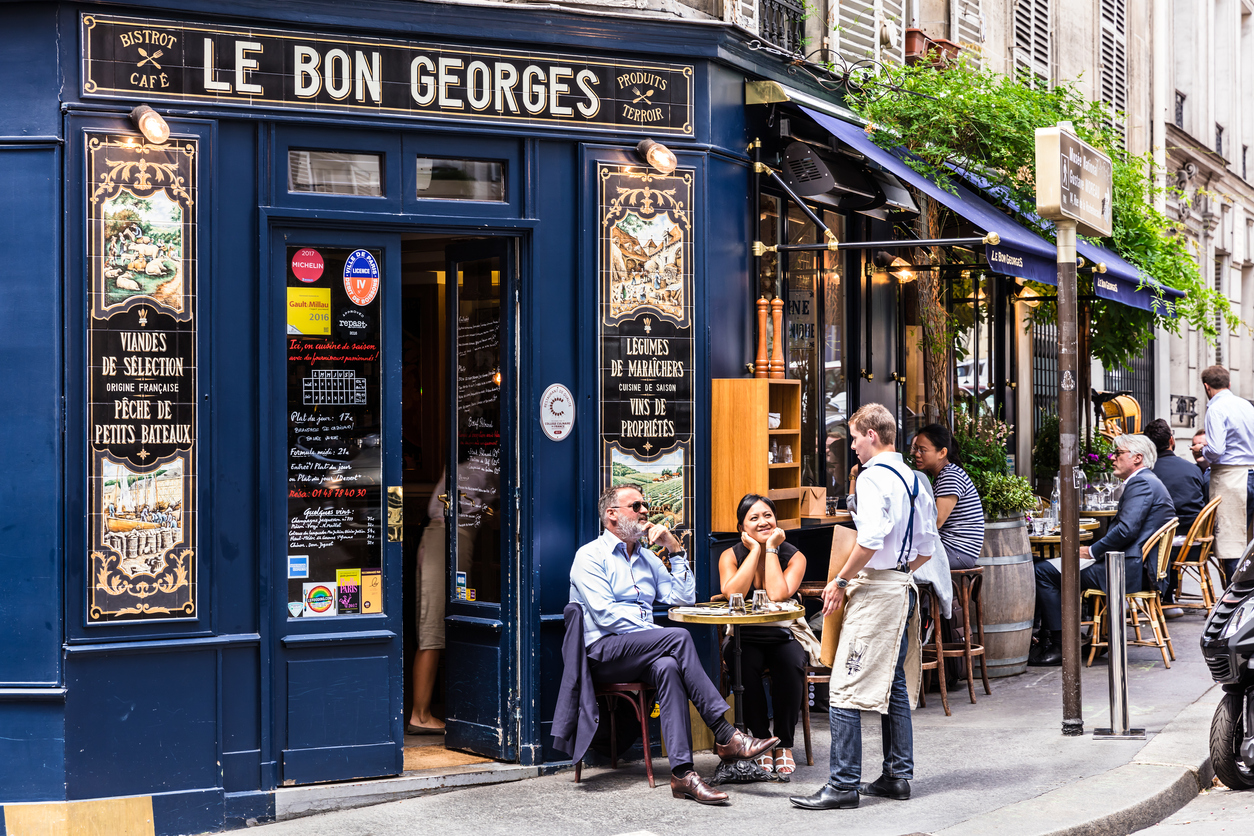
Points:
(444, 498)
(866, 374)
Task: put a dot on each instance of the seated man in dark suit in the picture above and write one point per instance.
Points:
(1183, 481)
(1143, 509)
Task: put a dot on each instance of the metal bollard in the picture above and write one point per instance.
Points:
(1118, 656)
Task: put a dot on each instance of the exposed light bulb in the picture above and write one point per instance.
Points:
(150, 124)
(658, 155)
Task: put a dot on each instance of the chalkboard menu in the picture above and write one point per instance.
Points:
(647, 342)
(336, 506)
(142, 401)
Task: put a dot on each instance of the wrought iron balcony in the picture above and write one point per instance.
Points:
(782, 22)
(1184, 409)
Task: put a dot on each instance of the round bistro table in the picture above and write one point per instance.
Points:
(735, 771)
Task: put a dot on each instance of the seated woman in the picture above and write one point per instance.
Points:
(959, 513)
(762, 560)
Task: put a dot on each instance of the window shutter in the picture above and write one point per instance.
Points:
(855, 21)
(857, 33)
(970, 27)
(743, 13)
(1032, 43)
(1114, 58)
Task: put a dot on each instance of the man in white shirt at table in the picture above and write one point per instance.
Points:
(878, 665)
(1229, 448)
(617, 581)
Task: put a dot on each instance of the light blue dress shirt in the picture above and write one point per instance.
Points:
(618, 591)
(1229, 430)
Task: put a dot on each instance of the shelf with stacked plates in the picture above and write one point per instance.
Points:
(756, 447)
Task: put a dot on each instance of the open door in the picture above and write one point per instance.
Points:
(482, 691)
(336, 589)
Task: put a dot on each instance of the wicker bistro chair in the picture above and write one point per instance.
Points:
(1201, 537)
(1146, 603)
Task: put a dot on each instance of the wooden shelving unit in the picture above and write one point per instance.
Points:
(742, 443)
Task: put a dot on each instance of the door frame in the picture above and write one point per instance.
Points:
(519, 617)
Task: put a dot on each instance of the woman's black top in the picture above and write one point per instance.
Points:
(768, 633)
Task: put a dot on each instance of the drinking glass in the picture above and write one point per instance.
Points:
(787, 454)
(736, 603)
(760, 600)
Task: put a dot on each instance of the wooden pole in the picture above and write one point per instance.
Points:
(1069, 460)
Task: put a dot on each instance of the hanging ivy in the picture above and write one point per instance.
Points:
(969, 119)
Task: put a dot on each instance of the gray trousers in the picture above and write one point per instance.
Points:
(666, 659)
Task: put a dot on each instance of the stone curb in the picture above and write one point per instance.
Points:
(295, 802)
(1164, 776)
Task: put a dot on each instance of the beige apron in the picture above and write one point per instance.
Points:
(877, 606)
(1229, 482)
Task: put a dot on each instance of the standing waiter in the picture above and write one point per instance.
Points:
(1229, 448)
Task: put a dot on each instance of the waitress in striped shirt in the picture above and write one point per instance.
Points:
(959, 513)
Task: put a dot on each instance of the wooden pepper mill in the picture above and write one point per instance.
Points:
(777, 347)
(761, 367)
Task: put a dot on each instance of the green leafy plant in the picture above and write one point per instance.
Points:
(981, 441)
(970, 119)
(1003, 494)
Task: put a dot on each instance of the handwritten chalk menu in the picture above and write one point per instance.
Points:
(647, 342)
(479, 425)
(335, 502)
(142, 401)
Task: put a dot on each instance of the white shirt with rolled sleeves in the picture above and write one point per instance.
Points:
(618, 592)
(882, 512)
(1229, 430)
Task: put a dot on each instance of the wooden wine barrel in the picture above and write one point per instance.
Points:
(1008, 596)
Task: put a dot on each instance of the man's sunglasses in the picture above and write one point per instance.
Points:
(637, 506)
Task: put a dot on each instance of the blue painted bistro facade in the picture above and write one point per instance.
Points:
(383, 242)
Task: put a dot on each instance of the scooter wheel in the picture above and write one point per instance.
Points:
(1226, 734)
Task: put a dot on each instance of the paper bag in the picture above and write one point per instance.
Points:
(843, 541)
(813, 502)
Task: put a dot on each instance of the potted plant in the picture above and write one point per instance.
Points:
(1004, 496)
(1098, 459)
(981, 441)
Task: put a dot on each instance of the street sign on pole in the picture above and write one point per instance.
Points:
(1073, 181)
(1073, 189)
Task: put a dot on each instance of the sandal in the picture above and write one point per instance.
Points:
(765, 761)
(784, 764)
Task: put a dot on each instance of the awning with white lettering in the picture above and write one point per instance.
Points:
(1022, 252)
(1120, 282)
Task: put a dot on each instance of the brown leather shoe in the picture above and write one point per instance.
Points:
(691, 786)
(743, 746)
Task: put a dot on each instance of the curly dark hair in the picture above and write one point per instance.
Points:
(1159, 432)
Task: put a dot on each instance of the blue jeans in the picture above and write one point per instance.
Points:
(896, 729)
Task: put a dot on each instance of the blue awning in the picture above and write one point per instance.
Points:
(1122, 282)
(1022, 253)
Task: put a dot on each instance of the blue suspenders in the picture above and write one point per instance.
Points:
(903, 563)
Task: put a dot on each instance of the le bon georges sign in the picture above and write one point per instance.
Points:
(152, 60)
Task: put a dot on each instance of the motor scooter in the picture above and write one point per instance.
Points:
(1228, 647)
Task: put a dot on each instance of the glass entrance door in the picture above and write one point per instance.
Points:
(481, 684)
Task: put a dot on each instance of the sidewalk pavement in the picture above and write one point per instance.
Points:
(1001, 766)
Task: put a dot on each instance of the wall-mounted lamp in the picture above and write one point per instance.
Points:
(1029, 297)
(658, 155)
(150, 124)
(896, 264)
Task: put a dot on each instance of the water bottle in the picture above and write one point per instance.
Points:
(1055, 502)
